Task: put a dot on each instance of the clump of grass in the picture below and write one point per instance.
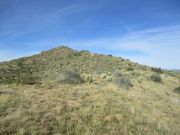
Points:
(121, 80)
(177, 90)
(156, 78)
(71, 77)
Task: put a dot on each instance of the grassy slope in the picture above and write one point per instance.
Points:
(98, 108)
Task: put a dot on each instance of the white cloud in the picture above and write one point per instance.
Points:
(161, 45)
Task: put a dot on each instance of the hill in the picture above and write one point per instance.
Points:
(64, 91)
(49, 64)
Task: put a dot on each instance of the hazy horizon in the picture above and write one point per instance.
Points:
(147, 32)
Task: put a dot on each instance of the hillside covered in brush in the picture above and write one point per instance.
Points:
(67, 92)
(49, 64)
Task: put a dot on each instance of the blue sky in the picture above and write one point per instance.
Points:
(146, 32)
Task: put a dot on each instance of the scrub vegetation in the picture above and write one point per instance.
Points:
(67, 92)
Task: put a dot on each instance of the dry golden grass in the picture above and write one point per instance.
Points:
(147, 108)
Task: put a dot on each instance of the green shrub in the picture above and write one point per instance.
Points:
(129, 69)
(156, 78)
(157, 70)
(177, 90)
(28, 79)
(70, 76)
(121, 80)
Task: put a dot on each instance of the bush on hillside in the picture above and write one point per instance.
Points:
(157, 70)
(28, 79)
(177, 90)
(106, 76)
(19, 73)
(117, 73)
(71, 77)
(156, 78)
(121, 80)
(1, 79)
(87, 77)
(129, 69)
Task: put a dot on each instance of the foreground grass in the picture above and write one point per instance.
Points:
(148, 108)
